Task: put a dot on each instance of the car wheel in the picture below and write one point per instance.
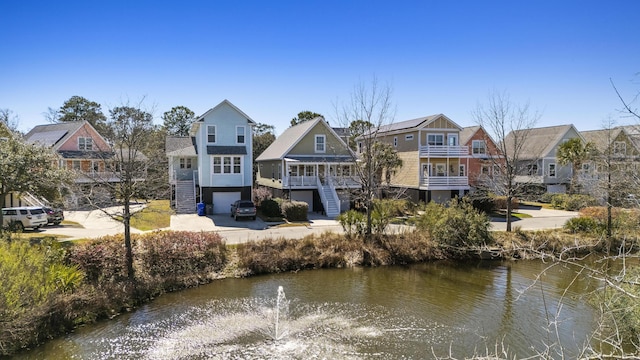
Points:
(17, 226)
(254, 218)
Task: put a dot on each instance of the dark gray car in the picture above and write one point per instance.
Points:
(243, 208)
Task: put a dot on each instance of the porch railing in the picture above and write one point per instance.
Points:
(444, 150)
(444, 181)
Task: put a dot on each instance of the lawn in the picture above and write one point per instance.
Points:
(156, 215)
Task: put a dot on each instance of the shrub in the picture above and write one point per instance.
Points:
(547, 197)
(295, 210)
(261, 194)
(457, 224)
(500, 202)
(353, 223)
(395, 207)
(270, 208)
(572, 202)
(482, 200)
(102, 260)
(584, 225)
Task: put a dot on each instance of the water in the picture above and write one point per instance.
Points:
(413, 312)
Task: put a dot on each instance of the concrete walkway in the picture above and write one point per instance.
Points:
(96, 224)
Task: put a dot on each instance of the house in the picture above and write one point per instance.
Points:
(81, 149)
(537, 161)
(213, 165)
(484, 154)
(434, 162)
(310, 162)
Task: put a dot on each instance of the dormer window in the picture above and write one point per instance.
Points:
(85, 144)
(320, 143)
(211, 134)
(240, 134)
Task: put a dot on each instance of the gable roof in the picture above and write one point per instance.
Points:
(225, 102)
(467, 133)
(281, 146)
(538, 142)
(53, 135)
(180, 146)
(414, 124)
(602, 139)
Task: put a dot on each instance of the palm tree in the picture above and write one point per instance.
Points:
(576, 153)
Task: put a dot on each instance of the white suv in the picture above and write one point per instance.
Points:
(20, 218)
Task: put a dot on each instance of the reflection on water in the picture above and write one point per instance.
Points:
(379, 313)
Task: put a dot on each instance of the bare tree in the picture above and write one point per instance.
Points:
(368, 110)
(9, 119)
(509, 124)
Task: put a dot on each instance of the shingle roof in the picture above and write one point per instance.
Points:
(53, 134)
(180, 146)
(226, 150)
(283, 143)
(601, 139)
(467, 132)
(536, 142)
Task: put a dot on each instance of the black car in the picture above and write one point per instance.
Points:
(243, 208)
(54, 216)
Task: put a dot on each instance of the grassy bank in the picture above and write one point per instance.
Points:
(50, 288)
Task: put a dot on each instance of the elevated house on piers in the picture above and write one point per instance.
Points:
(310, 162)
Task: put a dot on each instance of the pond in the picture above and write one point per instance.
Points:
(414, 312)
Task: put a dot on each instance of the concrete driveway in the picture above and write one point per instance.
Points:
(95, 224)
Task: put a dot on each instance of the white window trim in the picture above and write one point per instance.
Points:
(473, 147)
(324, 144)
(215, 134)
(437, 134)
(244, 134)
(462, 169)
(84, 140)
(231, 164)
(452, 136)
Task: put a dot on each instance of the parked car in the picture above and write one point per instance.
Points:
(19, 218)
(54, 216)
(243, 208)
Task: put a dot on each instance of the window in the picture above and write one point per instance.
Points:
(552, 170)
(619, 148)
(320, 143)
(485, 170)
(240, 134)
(185, 163)
(395, 141)
(408, 137)
(441, 170)
(227, 165)
(85, 143)
(359, 147)
(309, 170)
(76, 164)
(346, 170)
(478, 147)
(211, 134)
(452, 139)
(461, 171)
(293, 171)
(532, 169)
(435, 139)
(279, 170)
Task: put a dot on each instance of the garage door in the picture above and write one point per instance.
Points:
(306, 196)
(222, 201)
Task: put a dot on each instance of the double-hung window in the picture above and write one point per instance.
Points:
(211, 133)
(435, 139)
(185, 163)
(85, 143)
(321, 143)
(478, 147)
(240, 134)
(552, 170)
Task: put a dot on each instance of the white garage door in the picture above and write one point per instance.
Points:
(306, 196)
(222, 201)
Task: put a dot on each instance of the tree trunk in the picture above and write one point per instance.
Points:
(509, 197)
(126, 216)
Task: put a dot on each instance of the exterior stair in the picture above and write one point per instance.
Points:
(329, 196)
(185, 197)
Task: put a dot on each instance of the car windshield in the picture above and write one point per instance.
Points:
(245, 204)
(37, 211)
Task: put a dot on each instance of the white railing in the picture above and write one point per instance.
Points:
(299, 181)
(334, 194)
(444, 181)
(184, 174)
(344, 181)
(444, 150)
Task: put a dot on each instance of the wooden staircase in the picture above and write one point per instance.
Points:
(185, 197)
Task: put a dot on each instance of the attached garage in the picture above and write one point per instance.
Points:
(306, 196)
(222, 201)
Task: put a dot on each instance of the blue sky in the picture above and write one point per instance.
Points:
(274, 59)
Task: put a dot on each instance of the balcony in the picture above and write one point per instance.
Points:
(444, 182)
(311, 182)
(443, 151)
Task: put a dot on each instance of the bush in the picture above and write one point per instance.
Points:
(102, 260)
(584, 225)
(547, 197)
(261, 194)
(270, 208)
(353, 223)
(395, 207)
(295, 210)
(500, 202)
(482, 200)
(572, 202)
(457, 224)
